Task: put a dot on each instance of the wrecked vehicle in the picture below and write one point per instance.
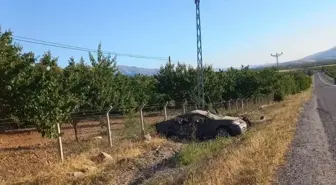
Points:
(201, 124)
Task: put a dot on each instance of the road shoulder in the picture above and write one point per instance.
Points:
(309, 160)
(326, 79)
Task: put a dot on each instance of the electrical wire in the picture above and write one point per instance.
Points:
(65, 46)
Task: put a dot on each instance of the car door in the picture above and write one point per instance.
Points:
(199, 125)
(181, 126)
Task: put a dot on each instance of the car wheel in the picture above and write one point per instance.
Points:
(222, 132)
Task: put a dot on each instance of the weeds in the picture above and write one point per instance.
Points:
(196, 151)
(132, 129)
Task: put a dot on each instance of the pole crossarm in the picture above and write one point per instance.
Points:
(277, 55)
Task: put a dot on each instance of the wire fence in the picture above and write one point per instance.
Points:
(116, 125)
(151, 113)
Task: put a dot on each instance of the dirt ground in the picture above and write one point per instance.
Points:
(27, 158)
(26, 154)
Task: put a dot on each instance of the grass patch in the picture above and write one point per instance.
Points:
(197, 150)
(132, 128)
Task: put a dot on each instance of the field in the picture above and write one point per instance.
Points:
(313, 67)
(22, 152)
(27, 154)
(27, 158)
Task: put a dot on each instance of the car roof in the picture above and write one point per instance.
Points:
(201, 112)
(210, 115)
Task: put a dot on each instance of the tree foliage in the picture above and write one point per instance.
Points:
(40, 93)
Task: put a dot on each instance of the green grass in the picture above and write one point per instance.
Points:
(196, 151)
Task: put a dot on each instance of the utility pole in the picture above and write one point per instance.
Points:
(200, 76)
(277, 55)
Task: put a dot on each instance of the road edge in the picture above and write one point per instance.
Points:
(324, 81)
(308, 160)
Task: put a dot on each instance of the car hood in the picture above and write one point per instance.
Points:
(227, 118)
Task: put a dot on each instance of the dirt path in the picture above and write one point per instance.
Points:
(311, 159)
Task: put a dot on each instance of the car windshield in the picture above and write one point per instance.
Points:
(213, 116)
(206, 113)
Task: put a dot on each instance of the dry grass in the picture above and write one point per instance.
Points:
(37, 162)
(248, 159)
(95, 173)
(256, 156)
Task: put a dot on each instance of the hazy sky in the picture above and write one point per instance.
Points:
(235, 32)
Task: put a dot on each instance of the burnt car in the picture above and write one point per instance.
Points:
(201, 124)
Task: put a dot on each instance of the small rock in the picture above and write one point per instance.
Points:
(157, 149)
(132, 168)
(147, 137)
(77, 174)
(262, 107)
(102, 157)
(89, 169)
(98, 137)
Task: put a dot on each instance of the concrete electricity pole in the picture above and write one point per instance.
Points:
(277, 55)
(200, 76)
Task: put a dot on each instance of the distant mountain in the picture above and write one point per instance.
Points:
(323, 55)
(317, 57)
(132, 70)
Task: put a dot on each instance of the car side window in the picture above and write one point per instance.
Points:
(198, 118)
(182, 119)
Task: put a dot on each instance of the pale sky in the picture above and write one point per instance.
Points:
(302, 38)
(235, 32)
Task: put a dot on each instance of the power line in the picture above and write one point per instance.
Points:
(277, 55)
(65, 46)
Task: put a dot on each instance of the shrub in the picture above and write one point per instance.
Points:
(279, 95)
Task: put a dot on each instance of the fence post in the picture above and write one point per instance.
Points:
(247, 104)
(237, 108)
(230, 106)
(184, 107)
(59, 139)
(258, 101)
(109, 126)
(222, 107)
(165, 111)
(142, 120)
(255, 102)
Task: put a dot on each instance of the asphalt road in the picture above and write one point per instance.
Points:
(312, 157)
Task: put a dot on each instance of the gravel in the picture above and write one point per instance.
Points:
(311, 159)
